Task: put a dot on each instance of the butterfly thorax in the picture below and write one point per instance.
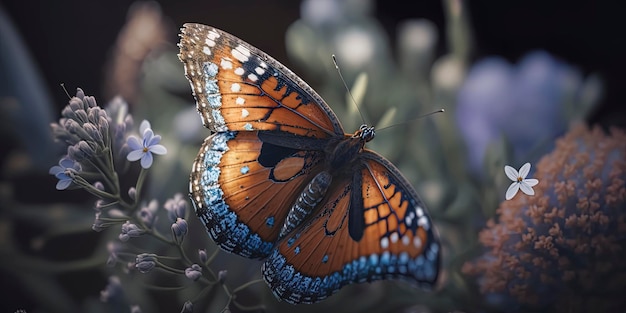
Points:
(347, 149)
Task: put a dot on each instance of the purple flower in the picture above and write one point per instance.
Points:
(176, 207)
(179, 230)
(203, 256)
(143, 150)
(66, 169)
(194, 272)
(113, 248)
(221, 276)
(130, 230)
(524, 103)
(145, 262)
(148, 215)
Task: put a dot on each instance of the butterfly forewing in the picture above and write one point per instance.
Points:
(398, 240)
(239, 88)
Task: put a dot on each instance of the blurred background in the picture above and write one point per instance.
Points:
(526, 69)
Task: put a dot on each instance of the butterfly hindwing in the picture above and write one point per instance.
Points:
(398, 239)
(243, 189)
(240, 88)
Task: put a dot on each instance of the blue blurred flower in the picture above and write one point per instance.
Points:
(524, 103)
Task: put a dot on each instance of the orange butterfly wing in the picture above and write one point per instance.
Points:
(239, 91)
(242, 189)
(239, 88)
(399, 240)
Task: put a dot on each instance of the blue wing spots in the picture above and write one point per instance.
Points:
(270, 221)
(296, 250)
(245, 169)
(292, 240)
(221, 222)
(289, 284)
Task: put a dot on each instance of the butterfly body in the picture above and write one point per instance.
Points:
(280, 180)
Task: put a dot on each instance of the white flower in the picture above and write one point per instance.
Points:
(520, 181)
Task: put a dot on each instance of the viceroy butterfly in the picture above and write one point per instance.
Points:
(279, 179)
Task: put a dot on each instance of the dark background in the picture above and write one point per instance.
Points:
(70, 39)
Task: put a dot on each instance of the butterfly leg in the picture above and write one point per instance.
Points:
(312, 194)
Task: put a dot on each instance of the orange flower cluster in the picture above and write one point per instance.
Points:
(564, 249)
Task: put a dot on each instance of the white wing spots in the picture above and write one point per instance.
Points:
(384, 242)
(423, 222)
(235, 87)
(406, 240)
(259, 70)
(247, 126)
(241, 53)
(419, 211)
(408, 220)
(253, 77)
(239, 71)
(206, 50)
(213, 35)
(393, 237)
(417, 242)
(209, 42)
(240, 100)
(244, 113)
(263, 65)
(226, 64)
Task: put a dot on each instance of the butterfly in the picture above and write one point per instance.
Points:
(279, 179)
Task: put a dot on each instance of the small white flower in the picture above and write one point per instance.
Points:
(520, 181)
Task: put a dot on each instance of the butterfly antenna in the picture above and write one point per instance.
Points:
(411, 120)
(65, 89)
(347, 89)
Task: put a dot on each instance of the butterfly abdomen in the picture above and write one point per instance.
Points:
(312, 194)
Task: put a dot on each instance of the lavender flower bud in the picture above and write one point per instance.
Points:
(98, 224)
(77, 129)
(145, 262)
(179, 230)
(94, 133)
(130, 230)
(74, 105)
(99, 185)
(132, 193)
(84, 147)
(194, 272)
(148, 215)
(74, 153)
(176, 207)
(221, 276)
(113, 248)
(80, 94)
(81, 116)
(203, 256)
